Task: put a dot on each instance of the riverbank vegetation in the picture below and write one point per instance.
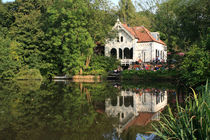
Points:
(190, 121)
(53, 37)
(148, 75)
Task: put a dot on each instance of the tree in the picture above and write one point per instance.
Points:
(127, 10)
(6, 19)
(101, 18)
(9, 58)
(193, 20)
(26, 30)
(182, 23)
(68, 42)
(142, 18)
(165, 22)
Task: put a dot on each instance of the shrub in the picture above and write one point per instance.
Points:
(29, 74)
(146, 74)
(194, 68)
(102, 64)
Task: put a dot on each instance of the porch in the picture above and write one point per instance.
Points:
(124, 55)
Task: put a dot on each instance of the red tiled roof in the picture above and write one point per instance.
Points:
(141, 120)
(142, 34)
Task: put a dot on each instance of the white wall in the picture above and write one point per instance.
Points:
(160, 48)
(141, 49)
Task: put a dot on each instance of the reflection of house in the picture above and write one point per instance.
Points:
(135, 43)
(136, 108)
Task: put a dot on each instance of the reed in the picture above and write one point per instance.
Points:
(189, 122)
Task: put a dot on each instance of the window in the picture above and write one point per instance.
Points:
(121, 38)
(122, 115)
(156, 53)
(163, 55)
(118, 39)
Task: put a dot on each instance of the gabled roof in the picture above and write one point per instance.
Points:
(142, 34)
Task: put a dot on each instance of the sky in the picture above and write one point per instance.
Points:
(114, 1)
(7, 0)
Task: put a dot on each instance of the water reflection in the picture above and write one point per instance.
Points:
(66, 110)
(136, 107)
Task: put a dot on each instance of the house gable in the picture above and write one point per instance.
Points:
(119, 26)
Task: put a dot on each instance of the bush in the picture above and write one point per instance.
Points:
(189, 122)
(194, 68)
(102, 64)
(29, 74)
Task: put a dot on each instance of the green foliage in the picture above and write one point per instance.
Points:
(56, 37)
(127, 10)
(9, 58)
(68, 41)
(190, 122)
(194, 68)
(6, 19)
(102, 64)
(182, 23)
(101, 18)
(28, 74)
(26, 30)
(142, 18)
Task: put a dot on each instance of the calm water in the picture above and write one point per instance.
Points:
(31, 110)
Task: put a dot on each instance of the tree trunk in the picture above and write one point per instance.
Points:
(80, 72)
(88, 61)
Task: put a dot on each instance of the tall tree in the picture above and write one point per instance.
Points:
(182, 23)
(101, 18)
(68, 42)
(6, 18)
(126, 10)
(26, 29)
(165, 22)
(9, 58)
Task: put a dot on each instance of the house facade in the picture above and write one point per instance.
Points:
(135, 44)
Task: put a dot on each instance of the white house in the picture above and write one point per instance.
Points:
(134, 44)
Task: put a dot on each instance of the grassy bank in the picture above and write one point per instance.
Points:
(145, 74)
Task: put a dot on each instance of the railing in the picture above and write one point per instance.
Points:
(126, 61)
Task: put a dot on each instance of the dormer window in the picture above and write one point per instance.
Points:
(158, 37)
(121, 38)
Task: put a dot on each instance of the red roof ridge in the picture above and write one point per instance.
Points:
(158, 41)
(135, 33)
(144, 38)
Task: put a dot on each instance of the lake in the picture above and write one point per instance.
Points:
(34, 110)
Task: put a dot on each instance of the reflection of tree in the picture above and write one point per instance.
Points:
(53, 111)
